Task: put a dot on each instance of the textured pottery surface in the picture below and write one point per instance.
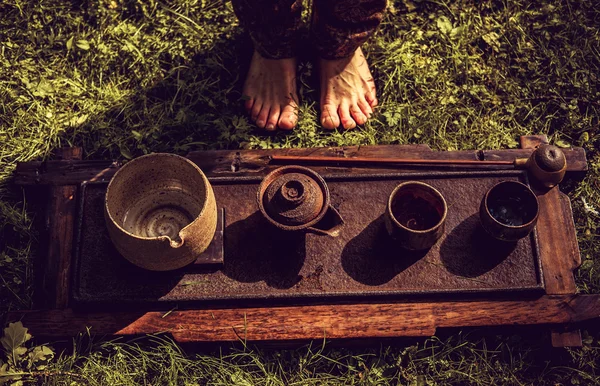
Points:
(509, 211)
(160, 211)
(547, 165)
(415, 215)
(293, 197)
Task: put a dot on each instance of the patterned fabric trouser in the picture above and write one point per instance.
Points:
(338, 27)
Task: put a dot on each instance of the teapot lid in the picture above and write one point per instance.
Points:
(293, 196)
(550, 158)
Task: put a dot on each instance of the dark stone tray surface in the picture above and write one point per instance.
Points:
(261, 262)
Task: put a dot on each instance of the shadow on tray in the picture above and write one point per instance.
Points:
(480, 255)
(358, 256)
(258, 251)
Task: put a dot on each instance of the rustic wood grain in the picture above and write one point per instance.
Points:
(532, 141)
(317, 321)
(256, 162)
(555, 281)
(56, 268)
(559, 249)
(569, 338)
(566, 283)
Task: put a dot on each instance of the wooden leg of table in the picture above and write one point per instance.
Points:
(60, 216)
(567, 338)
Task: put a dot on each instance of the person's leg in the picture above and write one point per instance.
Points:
(338, 28)
(271, 81)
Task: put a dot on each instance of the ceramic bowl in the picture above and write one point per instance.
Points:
(160, 211)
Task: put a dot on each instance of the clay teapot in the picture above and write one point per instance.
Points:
(295, 198)
(160, 211)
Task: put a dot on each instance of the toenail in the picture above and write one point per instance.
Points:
(260, 123)
(270, 126)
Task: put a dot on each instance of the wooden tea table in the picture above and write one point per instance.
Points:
(62, 310)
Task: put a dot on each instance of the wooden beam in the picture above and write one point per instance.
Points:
(317, 321)
(256, 162)
(558, 263)
(532, 141)
(60, 217)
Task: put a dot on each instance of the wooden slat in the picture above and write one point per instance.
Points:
(56, 271)
(560, 337)
(253, 162)
(566, 338)
(559, 249)
(559, 253)
(315, 322)
(532, 141)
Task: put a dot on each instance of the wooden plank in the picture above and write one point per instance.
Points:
(569, 338)
(60, 217)
(532, 141)
(256, 162)
(317, 321)
(559, 250)
(64, 172)
(560, 338)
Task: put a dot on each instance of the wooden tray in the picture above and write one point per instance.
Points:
(560, 308)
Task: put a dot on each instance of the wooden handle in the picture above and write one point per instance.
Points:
(391, 161)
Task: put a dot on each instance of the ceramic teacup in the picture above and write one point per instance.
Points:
(509, 211)
(416, 215)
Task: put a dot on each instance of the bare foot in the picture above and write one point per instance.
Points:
(271, 87)
(347, 92)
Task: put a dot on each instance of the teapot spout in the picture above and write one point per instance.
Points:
(330, 225)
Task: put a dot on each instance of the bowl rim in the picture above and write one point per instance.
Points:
(522, 226)
(422, 185)
(205, 198)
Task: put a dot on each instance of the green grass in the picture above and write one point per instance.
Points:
(458, 360)
(125, 78)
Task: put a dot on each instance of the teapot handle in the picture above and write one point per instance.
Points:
(330, 225)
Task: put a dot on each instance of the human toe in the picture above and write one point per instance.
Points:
(371, 97)
(358, 115)
(345, 117)
(329, 117)
(256, 108)
(273, 118)
(365, 107)
(261, 119)
(248, 104)
(288, 118)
